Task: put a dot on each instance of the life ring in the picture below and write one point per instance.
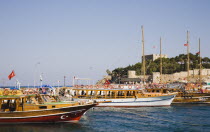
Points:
(6, 92)
(129, 86)
(14, 92)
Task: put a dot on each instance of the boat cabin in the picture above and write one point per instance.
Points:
(111, 93)
(20, 102)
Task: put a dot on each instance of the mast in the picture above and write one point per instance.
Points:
(160, 61)
(200, 73)
(188, 57)
(64, 81)
(143, 56)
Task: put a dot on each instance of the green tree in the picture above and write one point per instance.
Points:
(170, 65)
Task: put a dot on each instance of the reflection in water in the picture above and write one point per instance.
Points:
(44, 127)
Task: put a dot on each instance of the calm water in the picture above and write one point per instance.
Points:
(174, 118)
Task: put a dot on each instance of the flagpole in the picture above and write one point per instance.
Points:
(188, 57)
(160, 61)
(18, 85)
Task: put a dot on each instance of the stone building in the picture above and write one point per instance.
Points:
(179, 76)
(133, 78)
(182, 76)
(154, 56)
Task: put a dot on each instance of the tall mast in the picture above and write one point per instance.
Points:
(64, 81)
(188, 57)
(160, 61)
(200, 73)
(143, 56)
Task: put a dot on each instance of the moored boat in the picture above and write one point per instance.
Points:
(123, 97)
(19, 108)
(187, 93)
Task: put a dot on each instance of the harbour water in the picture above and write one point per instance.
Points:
(175, 118)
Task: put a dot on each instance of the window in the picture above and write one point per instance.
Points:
(42, 107)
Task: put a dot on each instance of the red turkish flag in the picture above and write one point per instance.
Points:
(185, 44)
(11, 75)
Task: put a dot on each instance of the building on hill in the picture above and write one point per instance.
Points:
(178, 76)
(182, 76)
(133, 78)
(154, 56)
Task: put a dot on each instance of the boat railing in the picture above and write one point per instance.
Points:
(111, 86)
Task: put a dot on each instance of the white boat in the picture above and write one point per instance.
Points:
(123, 97)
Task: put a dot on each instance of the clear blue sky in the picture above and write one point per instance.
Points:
(83, 38)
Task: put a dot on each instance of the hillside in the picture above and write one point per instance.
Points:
(170, 65)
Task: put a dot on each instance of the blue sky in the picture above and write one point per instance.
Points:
(83, 38)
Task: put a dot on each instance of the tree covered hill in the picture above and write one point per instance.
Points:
(169, 65)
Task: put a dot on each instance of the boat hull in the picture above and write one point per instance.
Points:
(65, 114)
(137, 102)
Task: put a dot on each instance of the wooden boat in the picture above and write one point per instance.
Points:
(187, 94)
(18, 108)
(123, 97)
